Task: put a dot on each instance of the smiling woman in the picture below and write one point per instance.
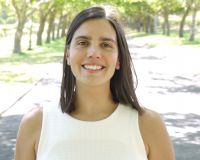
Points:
(99, 116)
(93, 54)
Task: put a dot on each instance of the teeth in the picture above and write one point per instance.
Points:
(93, 67)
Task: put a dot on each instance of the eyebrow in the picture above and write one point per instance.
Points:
(82, 37)
(101, 38)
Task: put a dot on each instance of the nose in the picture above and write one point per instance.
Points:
(93, 52)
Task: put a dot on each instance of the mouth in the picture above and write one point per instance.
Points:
(93, 67)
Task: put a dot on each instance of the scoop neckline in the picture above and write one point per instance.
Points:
(108, 118)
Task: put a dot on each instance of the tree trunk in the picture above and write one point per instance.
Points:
(181, 29)
(154, 27)
(64, 26)
(50, 26)
(166, 26)
(18, 36)
(58, 32)
(30, 34)
(41, 29)
(59, 26)
(192, 30)
(53, 31)
(147, 24)
(23, 12)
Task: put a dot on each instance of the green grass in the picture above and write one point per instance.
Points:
(184, 40)
(173, 39)
(45, 54)
(21, 68)
(196, 42)
(11, 77)
(53, 52)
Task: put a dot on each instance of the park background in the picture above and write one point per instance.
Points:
(164, 41)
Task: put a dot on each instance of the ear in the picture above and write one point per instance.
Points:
(117, 67)
(68, 61)
(67, 57)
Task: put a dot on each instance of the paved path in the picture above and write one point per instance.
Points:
(168, 83)
(45, 92)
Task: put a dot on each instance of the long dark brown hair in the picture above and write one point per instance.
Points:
(122, 84)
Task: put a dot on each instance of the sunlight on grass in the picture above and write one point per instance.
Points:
(11, 77)
(160, 39)
(46, 54)
(26, 67)
(53, 52)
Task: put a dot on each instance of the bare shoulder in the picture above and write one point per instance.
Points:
(28, 134)
(31, 121)
(156, 138)
(31, 124)
(33, 116)
(149, 117)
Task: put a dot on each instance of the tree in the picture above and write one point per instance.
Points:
(24, 10)
(195, 8)
(165, 8)
(64, 10)
(187, 8)
(139, 13)
(56, 10)
(52, 16)
(44, 11)
(5, 13)
(59, 25)
(64, 24)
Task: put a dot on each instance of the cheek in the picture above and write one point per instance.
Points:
(113, 59)
(74, 56)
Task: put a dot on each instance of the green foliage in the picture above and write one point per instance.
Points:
(6, 13)
(134, 12)
(171, 5)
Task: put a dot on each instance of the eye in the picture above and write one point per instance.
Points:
(106, 45)
(82, 43)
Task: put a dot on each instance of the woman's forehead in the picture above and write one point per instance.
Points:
(96, 27)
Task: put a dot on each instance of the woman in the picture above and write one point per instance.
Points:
(99, 117)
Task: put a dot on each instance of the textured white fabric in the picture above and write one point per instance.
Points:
(116, 137)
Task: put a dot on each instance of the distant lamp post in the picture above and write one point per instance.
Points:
(30, 26)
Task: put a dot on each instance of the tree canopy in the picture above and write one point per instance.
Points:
(141, 15)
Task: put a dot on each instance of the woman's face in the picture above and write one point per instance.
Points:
(93, 52)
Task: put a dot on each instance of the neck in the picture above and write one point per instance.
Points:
(93, 99)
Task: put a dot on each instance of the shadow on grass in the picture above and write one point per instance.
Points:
(8, 131)
(173, 38)
(193, 43)
(184, 130)
(185, 40)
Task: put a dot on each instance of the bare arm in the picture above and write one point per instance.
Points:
(28, 135)
(155, 136)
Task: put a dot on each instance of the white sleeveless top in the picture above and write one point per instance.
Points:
(116, 137)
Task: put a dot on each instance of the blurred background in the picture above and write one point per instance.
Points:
(164, 40)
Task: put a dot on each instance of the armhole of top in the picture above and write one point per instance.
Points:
(139, 135)
(41, 137)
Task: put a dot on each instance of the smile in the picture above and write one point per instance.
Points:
(93, 67)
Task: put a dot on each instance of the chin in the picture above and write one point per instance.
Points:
(95, 82)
